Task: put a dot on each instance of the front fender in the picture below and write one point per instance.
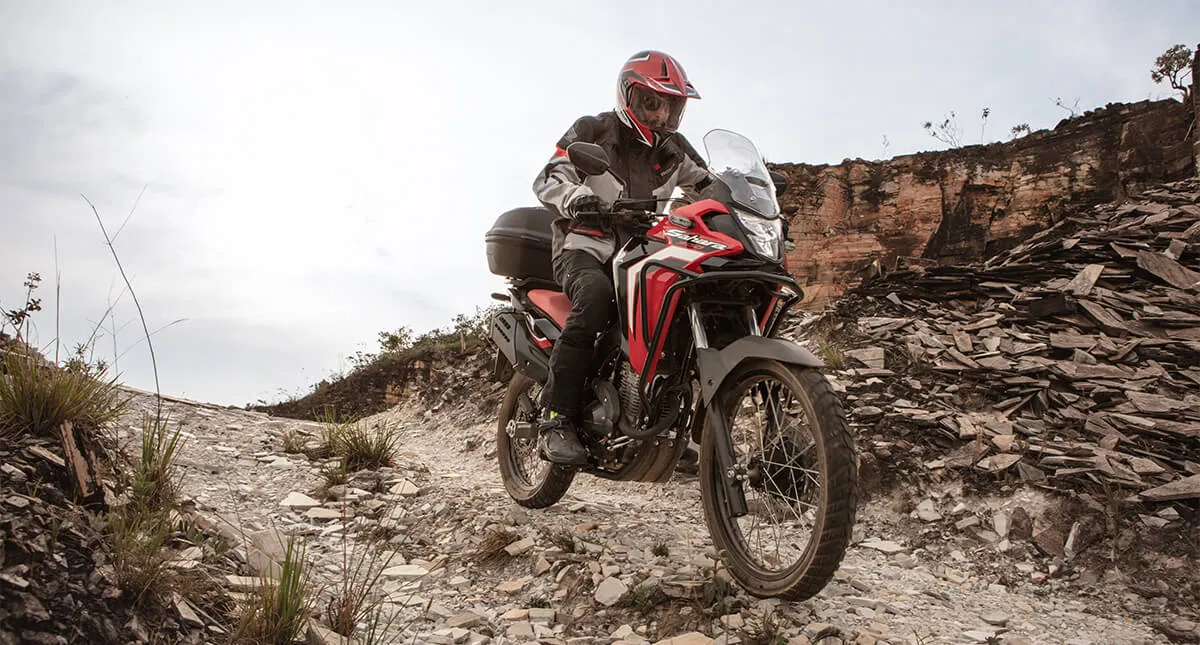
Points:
(714, 365)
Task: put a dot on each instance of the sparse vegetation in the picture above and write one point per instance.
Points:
(1072, 110)
(947, 130)
(279, 608)
(491, 548)
(358, 446)
(291, 441)
(152, 483)
(363, 447)
(463, 332)
(643, 598)
(37, 396)
(565, 540)
(831, 354)
(137, 537)
(333, 475)
(1173, 66)
(354, 598)
(660, 549)
(766, 630)
(141, 525)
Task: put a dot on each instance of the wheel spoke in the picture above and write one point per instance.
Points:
(773, 441)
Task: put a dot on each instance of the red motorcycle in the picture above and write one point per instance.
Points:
(701, 292)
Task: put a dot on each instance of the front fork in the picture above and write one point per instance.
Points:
(733, 475)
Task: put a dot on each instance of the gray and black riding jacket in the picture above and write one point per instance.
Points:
(637, 171)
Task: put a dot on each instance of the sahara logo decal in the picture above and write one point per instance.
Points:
(692, 238)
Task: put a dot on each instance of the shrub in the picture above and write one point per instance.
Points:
(367, 448)
(37, 398)
(279, 608)
(355, 599)
(137, 538)
(152, 483)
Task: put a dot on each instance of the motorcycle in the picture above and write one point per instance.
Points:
(694, 356)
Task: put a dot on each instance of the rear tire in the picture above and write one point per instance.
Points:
(530, 480)
(801, 480)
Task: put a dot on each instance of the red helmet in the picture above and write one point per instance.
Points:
(651, 93)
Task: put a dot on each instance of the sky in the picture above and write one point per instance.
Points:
(286, 179)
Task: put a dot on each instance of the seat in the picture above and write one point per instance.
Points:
(555, 304)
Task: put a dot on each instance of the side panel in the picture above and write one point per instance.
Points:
(511, 337)
(639, 323)
(681, 240)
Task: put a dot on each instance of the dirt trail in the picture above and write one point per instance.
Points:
(901, 582)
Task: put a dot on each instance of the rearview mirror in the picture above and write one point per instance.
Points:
(780, 181)
(588, 157)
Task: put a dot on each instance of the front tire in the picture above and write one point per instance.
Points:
(530, 480)
(795, 453)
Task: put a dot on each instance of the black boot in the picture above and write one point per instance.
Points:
(559, 444)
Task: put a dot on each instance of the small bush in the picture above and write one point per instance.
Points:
(768, 630)
(642, 599)
(139, 528)
(152, 484)
(660, 549)
(137, 538)
(37, 398)
(491, 549)
(278, 610)
(292, 442)
(830, 354)
(356, 445)
(565, 540)
(354, 598)
(334, 475)
(367, 448)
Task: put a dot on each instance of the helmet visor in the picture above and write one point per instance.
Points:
(657, 111)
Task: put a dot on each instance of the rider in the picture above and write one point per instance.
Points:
(649, 158)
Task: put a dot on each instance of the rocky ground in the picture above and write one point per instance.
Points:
(930, 565)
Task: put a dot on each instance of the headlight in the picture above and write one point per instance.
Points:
(764, 234)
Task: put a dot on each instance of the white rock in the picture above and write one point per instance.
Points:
(322, 513)
(609, 591)
(928, 512)
(406, 572)
(1001, 523)
(299, 500)
(520, 630)
(690, 638)
(405, 489)
(884, 546)
(519, 547)
(541, 615)
(512, 586)
(997, 618)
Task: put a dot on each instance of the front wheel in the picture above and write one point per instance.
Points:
(795, 459)
(531, 481)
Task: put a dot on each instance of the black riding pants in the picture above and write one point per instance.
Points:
(588, 284)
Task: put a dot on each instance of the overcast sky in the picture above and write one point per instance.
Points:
(317, 172)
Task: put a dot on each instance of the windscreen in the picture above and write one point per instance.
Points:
(734, 160)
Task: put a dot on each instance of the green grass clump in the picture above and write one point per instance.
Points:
(279, 608)
(37, 398)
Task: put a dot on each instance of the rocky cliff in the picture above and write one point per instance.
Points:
(969, 203)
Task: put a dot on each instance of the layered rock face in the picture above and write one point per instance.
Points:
(969, 203)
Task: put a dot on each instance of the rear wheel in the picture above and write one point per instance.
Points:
(530, 480)
(796, 460)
